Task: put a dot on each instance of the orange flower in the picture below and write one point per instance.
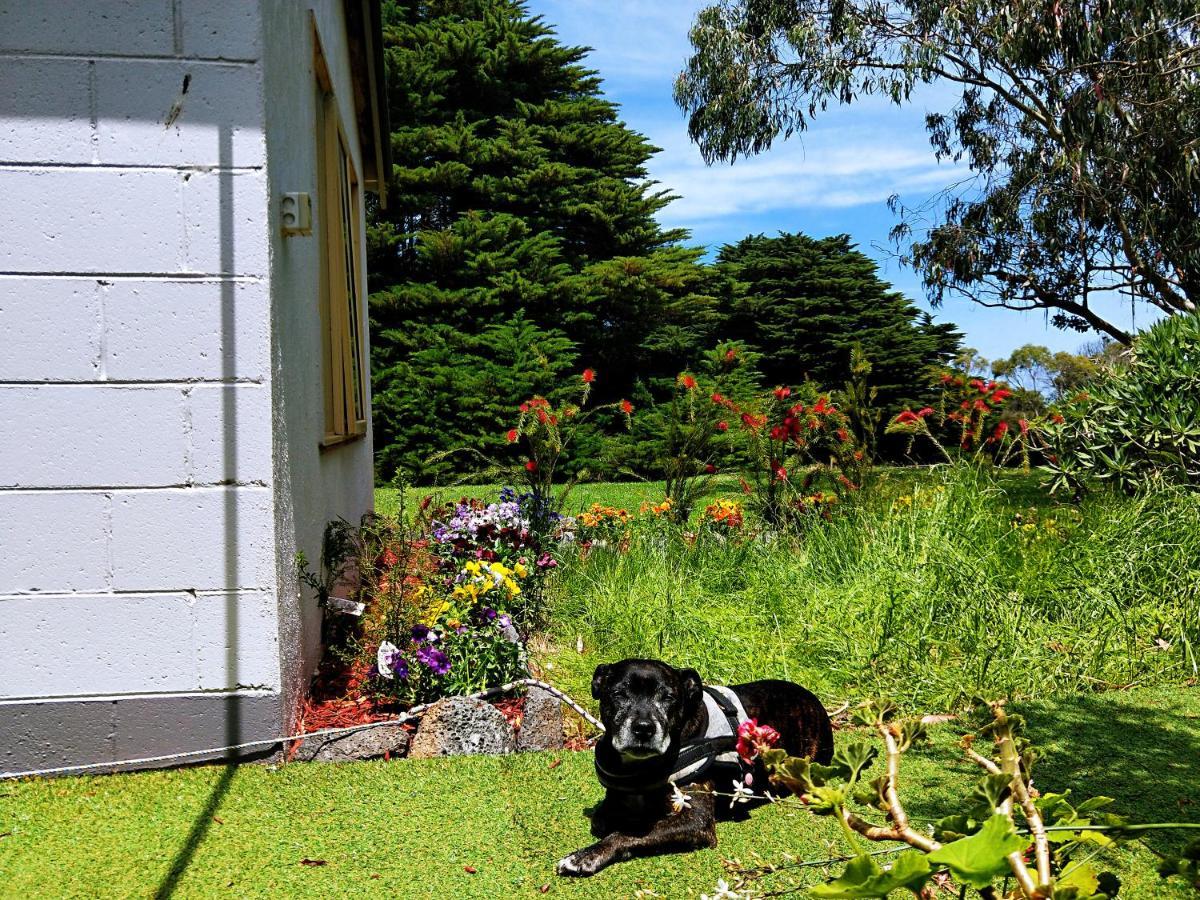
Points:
(626, 407)
(589, 375)
(688, 382)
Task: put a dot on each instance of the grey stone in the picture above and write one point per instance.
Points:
(461, 726)
(371, 743)
(542, 722)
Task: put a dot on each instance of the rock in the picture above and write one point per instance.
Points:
(370, 743)
(542, 722)
(461, 726)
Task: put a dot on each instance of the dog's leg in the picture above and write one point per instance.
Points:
(689, 829)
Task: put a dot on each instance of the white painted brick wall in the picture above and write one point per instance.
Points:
(135, 98)
(53, 541)
(83, 644)
(48, 99)
(176, 330)
(193, 539)
(87, 220)
(231, 240)
(122, 27)
(231, 433)
(51, 329)
(93, 436)
(221, 30)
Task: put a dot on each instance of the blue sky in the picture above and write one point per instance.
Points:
(833, 179)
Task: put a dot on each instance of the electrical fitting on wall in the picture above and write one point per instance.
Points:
(296, 213)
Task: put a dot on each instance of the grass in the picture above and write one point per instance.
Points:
(927, 590)
(410, 828)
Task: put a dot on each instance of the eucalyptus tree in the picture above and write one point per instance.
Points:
(1079, 122)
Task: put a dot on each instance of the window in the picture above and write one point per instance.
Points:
(338, 206)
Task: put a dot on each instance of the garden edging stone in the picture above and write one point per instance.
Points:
(462, 726)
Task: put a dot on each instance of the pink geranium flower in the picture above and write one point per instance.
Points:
(753, 739)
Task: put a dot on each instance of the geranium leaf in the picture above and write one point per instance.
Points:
(854, 757)
(866, 878)
(978, 859)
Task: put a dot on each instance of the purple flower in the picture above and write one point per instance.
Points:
(504, 621)
(435, 659)
(420, 633)
(487, 614)
(400, 666)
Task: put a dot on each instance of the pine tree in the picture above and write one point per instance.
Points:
(517, 192)
(805, 303)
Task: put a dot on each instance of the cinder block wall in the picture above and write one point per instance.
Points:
(138, 553)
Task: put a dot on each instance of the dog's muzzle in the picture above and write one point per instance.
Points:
(641, 737)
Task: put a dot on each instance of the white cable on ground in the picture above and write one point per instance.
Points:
(414, 713)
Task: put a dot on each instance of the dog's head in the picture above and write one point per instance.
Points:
(644, 704)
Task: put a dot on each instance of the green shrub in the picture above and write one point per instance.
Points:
(1139, 424)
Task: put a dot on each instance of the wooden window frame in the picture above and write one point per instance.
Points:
(343, 282)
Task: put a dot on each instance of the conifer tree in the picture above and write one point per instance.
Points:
(517, 195)
(805, 303)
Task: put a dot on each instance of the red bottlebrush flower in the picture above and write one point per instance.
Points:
(843, 435)
(512, 435)
(977, 385)
(822, 406)
(990, 386)
(541, 415)
(688, 382)
(753, 739)
(966, 404)
(946, 378)
(847, 483)
(1057, 418)
(524, 407)
(781, 473)
(926, 411)
(589, 375)
(531, 466)
(750, 421)
(797, 410)
(778, 433)
(1001, 395)
(722, 426)
(730, 355)
(966, 443)
(782, 393)
(626, 407)
(718, 399)
(981, 404)
(858, 456)
(908, 417)
(957, 382)
(710, 469)
(553, 420)
(1023, 425)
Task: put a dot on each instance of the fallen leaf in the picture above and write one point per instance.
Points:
(218, 820)
(556, 763)
(470, 870)
(375, 875)
(312, 862)
(544, 888)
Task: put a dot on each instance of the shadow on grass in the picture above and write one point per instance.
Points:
(1144, 757)
(196, 835)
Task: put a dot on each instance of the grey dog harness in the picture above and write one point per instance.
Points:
(716, 748)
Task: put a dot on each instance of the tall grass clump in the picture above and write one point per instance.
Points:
(966, 581)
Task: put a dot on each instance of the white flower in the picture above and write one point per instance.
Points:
(741, 793)
(383, 659)
(679, 800)
(724, 892)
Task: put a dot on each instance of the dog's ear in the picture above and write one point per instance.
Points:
(689, 681)
(600, 679)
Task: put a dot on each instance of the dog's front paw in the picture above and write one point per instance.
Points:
(581, 863)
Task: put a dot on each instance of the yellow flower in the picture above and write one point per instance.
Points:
(520, 570)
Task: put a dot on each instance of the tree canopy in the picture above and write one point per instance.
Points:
(1079, 122)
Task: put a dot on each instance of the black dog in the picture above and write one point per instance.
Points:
(664, 728)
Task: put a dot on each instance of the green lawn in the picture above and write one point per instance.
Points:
(409, 828)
